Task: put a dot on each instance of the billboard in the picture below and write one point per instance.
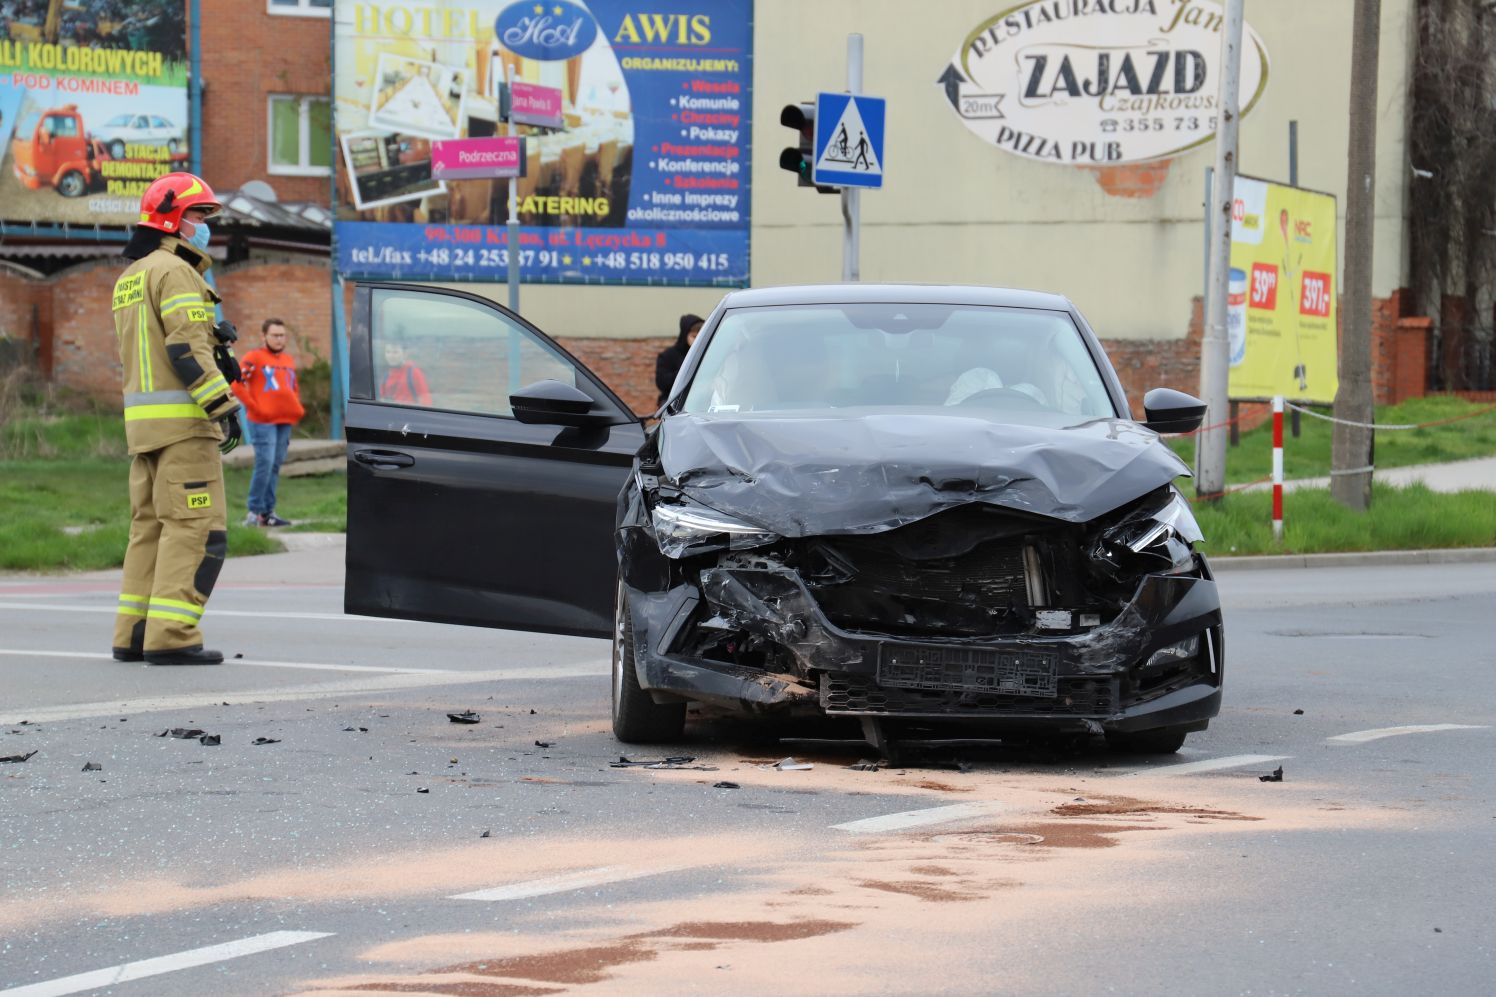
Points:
(1281, 314)
(1083, 83)
(647, 181)
(93, 107)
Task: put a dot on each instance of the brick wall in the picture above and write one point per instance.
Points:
(21, 302)
(296, 292)
(249, 54)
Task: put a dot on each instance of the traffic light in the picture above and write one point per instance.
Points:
(800, 158)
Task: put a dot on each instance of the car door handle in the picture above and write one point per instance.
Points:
(384, 459)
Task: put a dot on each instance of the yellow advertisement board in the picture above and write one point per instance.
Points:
(1281, 314)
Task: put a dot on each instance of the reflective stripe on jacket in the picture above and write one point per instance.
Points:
(163, 320)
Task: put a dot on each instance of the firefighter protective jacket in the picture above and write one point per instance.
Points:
(163, 319)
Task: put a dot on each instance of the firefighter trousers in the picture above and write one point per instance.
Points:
(178, 539)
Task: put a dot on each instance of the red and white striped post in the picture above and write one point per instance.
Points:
(1277, 468)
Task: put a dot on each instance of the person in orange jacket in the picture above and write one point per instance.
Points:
(272, 402)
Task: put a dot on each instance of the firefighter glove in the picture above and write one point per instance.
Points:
(226, 362)
(232, 432)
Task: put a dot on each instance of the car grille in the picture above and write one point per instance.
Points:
(858, 694)
(972, 594)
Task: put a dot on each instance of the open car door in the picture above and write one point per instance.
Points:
(458, 512)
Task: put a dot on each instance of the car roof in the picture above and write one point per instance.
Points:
(944, 294)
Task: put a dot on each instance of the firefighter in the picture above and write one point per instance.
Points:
(179, 417)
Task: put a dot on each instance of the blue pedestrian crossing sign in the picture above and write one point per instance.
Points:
(849, 140)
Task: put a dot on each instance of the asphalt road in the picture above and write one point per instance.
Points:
(378, 847)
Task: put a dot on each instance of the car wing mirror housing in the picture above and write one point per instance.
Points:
(555, 403)
(1170, 411)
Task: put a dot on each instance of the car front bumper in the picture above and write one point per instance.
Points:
(1101, 679)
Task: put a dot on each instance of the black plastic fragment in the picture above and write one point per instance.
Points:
(1275, 776)
(211, 739)
(465, 717)
(423, 790)
(184, 733)
(486, 834)
(266, 740)
(866, 765)
(544, 744)
(18, 758)
(673, 762)
(726, 785)
(92, 767)
(1298, 713)
(532, 713)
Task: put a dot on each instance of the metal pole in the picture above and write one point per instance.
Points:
(1293, 181)
(1350, 446)
(1210, 462)
(512, 230)
(851, 197)
(195, 91)
(338, 376)
(1277, 468)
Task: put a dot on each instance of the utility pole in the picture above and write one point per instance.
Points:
(1350, 454)
(1215, 355)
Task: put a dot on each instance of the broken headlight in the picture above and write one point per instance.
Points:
(1155, 538)
(686, 528)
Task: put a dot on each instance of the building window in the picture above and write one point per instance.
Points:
(300, 8)
(300, 136)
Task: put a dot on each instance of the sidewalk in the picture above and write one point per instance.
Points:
(1454, 476)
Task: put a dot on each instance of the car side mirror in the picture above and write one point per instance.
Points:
(554, 403)
(1170, 411)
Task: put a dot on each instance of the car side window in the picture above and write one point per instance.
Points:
(438, 351)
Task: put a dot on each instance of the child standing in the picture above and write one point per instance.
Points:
(272, 402)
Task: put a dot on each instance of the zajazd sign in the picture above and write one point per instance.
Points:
(1098, 82)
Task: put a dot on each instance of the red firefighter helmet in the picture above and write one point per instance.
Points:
(164, 201)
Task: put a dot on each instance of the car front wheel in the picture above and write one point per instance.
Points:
(1159, 741)
(116, 149)
(637, 718)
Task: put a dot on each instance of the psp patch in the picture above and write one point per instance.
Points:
(197, 314)
(200, 500)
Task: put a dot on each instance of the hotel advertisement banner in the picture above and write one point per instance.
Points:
(1281, 314)
(93, 107)
(647, 182)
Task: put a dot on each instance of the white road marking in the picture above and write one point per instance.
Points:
(11, 714)
(260, 614)
(128, 971)
(565, 883)
(1362, 736)
(1208, 765)
(918, 818)
(92, 655)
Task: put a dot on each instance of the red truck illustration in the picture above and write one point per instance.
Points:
(51, 149)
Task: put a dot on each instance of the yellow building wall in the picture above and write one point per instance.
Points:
(957, 209)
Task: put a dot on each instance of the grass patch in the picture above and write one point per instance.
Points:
(1407, 518)
(1309, 455)
(43, 497)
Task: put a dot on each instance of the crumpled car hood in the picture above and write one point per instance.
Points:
(817, 475)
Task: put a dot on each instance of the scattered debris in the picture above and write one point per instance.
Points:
(865, 765)
(677, 762)
(465, 717)
(791, 765)
(1298, 713)
(239, 654)
(1275, 776)
(544, 744)
(185, 733)
(1438, 931)
(18, 758)
(211, 739)
(532, 713)
(361, 730)
(266, 740)
(729, 785)
(486, 834)
(423, 790)
(92, 767)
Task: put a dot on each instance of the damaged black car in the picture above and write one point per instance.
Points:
(899, 504)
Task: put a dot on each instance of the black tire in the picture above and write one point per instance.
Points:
(637, 718)
(72, 184)
(1159, 741)
(117, 149)
(172, 145)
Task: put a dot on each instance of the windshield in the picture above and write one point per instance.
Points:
(886, 355)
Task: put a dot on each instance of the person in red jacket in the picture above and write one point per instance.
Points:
(404, 383)
(272, 403)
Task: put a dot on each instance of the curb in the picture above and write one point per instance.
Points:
(1357, 559)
